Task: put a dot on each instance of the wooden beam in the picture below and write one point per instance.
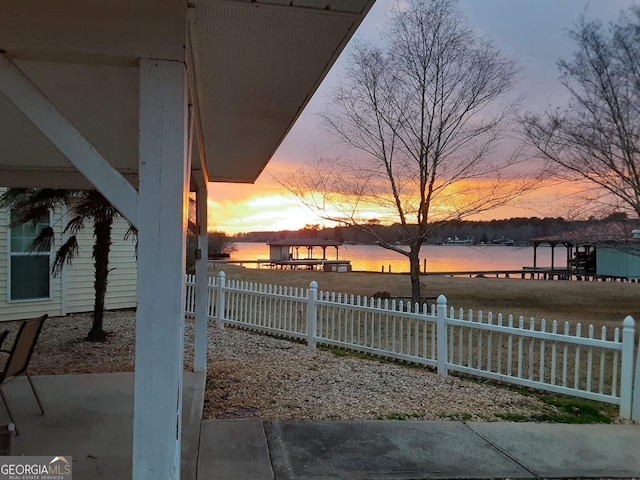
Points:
(27, 98)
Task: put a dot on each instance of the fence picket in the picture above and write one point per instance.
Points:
(352, 313)
(576, 372)
(616, 358)
(589, 360)
(402, 333)
(543, 328)
(451, 332)
(554, 352)
(470, 339)
(479, 341)
(312, 314)
(220, 311)
(490, 343)
(532, 327)
(520, 346)
(603, 336)
(510, 346)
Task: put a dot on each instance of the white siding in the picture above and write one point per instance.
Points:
(122, 286)
(618, 263)
(278, 252)
(79, 278)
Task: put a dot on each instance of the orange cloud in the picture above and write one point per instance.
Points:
(252, 208)
(267, 206)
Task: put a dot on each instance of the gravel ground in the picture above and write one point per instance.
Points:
(256, 376)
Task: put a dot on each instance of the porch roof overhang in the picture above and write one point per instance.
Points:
(252, 66)
(302, 242)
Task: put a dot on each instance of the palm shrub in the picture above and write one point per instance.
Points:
(84, 207)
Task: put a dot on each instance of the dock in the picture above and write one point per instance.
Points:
(536, 273)
(525, 273)
(310, 264)
(301, 264)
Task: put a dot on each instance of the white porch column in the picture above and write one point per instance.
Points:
(163, 206)
(202, 280)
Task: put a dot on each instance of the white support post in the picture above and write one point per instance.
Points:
(202, 280)
(312, 314)
(163, 202)
(626, 370)
(635, 404)
(27, 98)
(441, 327)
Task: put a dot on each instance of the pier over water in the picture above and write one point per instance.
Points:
(299, 254)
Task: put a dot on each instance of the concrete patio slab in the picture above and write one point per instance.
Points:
(557, 450)
(234, 449)
(90, 417)
(384, 450)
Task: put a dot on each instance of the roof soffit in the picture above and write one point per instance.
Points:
(259, 64)
(93, 31)
(256, 65)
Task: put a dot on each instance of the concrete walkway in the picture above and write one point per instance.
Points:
(89, 417)
(257, 450)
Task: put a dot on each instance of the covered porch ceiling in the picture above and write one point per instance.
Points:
(128, 96)
(253, 65)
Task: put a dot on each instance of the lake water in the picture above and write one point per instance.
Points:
(440, 258)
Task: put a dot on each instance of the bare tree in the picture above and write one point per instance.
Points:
(422, 116)
(596, 137)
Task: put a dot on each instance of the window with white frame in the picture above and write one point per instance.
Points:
(30, 279)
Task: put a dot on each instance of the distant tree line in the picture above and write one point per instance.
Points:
(517, 229)
(219, 243)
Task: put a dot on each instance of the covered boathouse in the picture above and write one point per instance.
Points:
(299, 253)
(608, 251)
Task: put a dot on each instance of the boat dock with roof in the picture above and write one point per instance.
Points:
(299, 254)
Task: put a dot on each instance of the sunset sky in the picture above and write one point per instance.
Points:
(534, 32)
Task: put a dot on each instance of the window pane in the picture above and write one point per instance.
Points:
(22, 236)
(16, 242)
(29, 277)
(29, 271)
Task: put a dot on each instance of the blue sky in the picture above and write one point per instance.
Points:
(533, 32)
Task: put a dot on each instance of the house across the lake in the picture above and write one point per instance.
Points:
(27, 288)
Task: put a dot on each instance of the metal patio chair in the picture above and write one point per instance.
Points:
(18, 361)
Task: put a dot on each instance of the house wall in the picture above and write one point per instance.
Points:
(73, 291)
(122, 286)
(618, 263)
(278, 252)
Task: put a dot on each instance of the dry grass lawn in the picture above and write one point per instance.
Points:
(597, 303)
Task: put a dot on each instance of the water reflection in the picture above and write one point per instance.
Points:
(439, 258)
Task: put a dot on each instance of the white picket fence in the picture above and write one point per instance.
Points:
(544, 355)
